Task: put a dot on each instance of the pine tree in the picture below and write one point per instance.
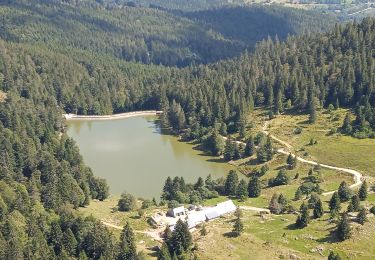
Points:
(343, 229)
(181, 239)
(346, 127)
(362, 193)
(303, 218)
(127, 247)
(274, 205)
(238, 227)
(344, 192)
(362, 216)
(335, 203)
(231, 183)
(354, 204)
(254, 188)
(203, 230)
(333, 256)
(318, 209)
(70, 242)
(229, 150)
(163, 253)
(250, 147)
(242, 190)
(291, 161)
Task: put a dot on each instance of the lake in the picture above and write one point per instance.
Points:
(134, 155)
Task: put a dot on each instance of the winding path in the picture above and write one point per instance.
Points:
(356, 175)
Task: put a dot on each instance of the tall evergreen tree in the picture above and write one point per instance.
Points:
(242, 190)
(303, 218)
(343, 228)
(231, 183)
(250, 146)
(362, 193)
(238, 227)
(127, 246)
(318, 210)
(362, 216)
(354, 203)
(254, 188)
(335, 203)
(344, 192)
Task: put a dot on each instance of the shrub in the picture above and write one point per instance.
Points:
(127, 202)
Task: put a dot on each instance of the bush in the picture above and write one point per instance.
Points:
(297, 130)
(127, 202)
(372, 210)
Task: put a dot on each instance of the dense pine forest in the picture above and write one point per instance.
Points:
(50, 64)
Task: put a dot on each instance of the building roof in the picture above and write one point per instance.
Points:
(196, 218)
(212, 213)
(225, 207)
(178, 210)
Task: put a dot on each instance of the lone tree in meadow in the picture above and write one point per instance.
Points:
(291, 161)
(318, 210)
(343, 229)
(344, 192)
(362, 193)
(274, 205)
(303, 218)
(254, 188)
(334, 204)
(127, 202)
(238, 227)
(333, 256)
(362, 216)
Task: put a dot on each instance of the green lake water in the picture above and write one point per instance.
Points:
(134, 156)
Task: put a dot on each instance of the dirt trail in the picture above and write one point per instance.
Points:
(356, 175)
(155, 234)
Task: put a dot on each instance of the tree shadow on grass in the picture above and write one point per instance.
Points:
(252, 161)
(292, 226)
(230, 234)
(331, 238)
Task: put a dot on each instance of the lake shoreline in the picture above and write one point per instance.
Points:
(72, 117)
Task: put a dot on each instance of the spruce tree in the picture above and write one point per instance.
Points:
(335, 203)
(242, 190)
(229, 150)
(238, 227)
(344, 192)
(362, 193)
(290, 161)
(362, 216)
(333, 256)
(346, 127)
(163, 253)
(274, 205)
(127, 247)
(231, 183)
(181, 239)
(354, 204)
(318, 210)
(254, 188)
(303, 218)
(250, 147)
(343, 229)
